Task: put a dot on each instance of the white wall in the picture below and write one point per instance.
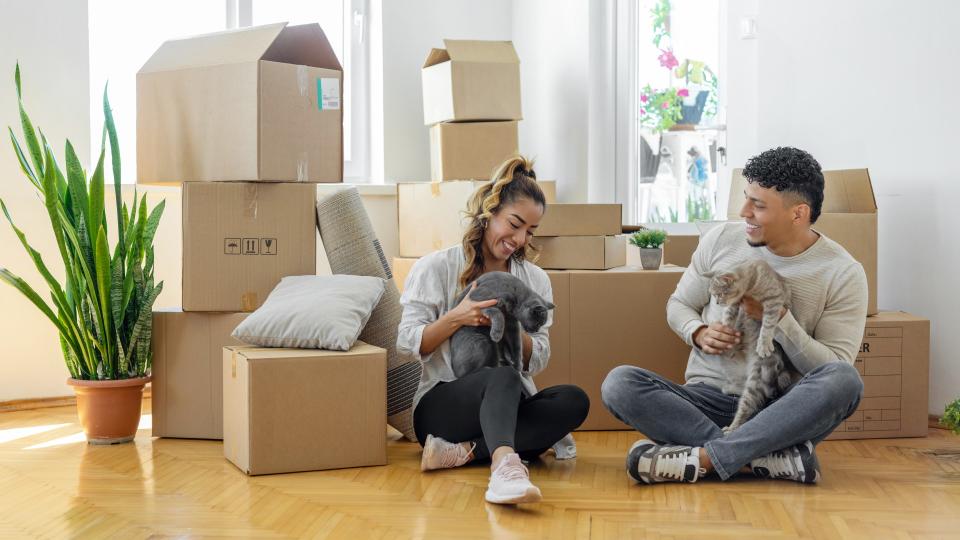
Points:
(410, 29)
(52, 51)
(868, 83)
(551, 38)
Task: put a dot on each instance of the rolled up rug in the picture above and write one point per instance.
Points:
(353, 248)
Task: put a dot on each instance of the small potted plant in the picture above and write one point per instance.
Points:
(951, 417)
(650, 242)
(103, 309)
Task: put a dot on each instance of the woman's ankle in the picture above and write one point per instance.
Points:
(497, 456)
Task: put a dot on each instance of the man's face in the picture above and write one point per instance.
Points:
(771, 215)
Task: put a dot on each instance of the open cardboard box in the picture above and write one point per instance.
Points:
(471, 80)
(263, 103)
(848, 216)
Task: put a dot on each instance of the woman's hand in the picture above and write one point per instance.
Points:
(470, 312)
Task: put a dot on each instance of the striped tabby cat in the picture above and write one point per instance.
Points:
(769, 373)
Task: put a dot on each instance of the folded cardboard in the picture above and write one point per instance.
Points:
(581, 220)
(470, 150)
(618, 317)
(848, 216)
(894, 362)
(187, 395)
(241, 238)
(430, 214)
(582, 252)
(471, 80)
(290, 410)
(263, 103)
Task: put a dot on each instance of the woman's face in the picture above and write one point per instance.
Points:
(511, 228)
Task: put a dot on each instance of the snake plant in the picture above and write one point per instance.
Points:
(102, 308)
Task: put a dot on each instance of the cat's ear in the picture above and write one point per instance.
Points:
(727, 277)
(550, 305)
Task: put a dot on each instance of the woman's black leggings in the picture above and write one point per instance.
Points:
(488, 407)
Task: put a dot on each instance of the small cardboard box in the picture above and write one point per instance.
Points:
(582, 252)
(619, 317)
(848, 216)
(401, 269)
(240, 239)
(471, 80)
(581, 220)
(263, 103)
(894, 361)
(470, 150)
(430, 214)
(187, 385)
(291, 410)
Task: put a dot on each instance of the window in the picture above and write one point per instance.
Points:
(679, 116)
(124, 34)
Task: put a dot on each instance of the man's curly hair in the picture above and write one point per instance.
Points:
(789, 170)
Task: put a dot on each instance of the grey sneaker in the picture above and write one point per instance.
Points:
(798, 463)
(650, 463)
(440, 454)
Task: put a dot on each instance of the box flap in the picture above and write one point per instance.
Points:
(303, 45)
(217, 48)
(436, 56)
(847, 191)
(481, 51)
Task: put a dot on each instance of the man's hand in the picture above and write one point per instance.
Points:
(716, 338)
(754, 309)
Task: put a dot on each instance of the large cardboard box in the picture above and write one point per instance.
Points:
(262, 103)
(894, 361)
(558, 367)
(470, 150)
(187, 386)
(581, 220)
(240, 239)
(430, 214)
(471, 80)
(582, 252)
(619, 317)
(848, 216)
(290, 410)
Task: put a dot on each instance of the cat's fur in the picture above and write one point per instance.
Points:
(769, 373)
(500, 344)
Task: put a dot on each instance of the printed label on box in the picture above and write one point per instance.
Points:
(250, 246)
(328, 94)
(231, 246)
(268, 246)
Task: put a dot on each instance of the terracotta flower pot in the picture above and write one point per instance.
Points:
(109, 411)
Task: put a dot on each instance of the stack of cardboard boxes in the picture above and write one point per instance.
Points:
(248, 121)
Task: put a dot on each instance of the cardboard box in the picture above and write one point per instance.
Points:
(582, 252)
(401, 269)
(291, 410)
(619, 317)
(187, 386)
(470, 150)
(471, 80)
(558, 367)
(848, 216)
(581, 220)
(894, 361)
(240, 239)
(430, 214)
(263, 103)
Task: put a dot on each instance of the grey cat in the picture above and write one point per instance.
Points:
(769, 373)
(500, 344)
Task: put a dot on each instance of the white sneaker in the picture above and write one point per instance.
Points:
(510, 483)
(441, 454)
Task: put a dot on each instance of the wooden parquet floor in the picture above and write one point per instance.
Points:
(53, 485)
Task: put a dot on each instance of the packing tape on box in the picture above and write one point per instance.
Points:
(303, 84)
(233, 364)
(249, 301)
(302, 173)
(435, 189)
(251, 198)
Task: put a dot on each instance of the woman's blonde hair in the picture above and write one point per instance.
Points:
(512, 180)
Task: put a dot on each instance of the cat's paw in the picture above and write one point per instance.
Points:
(729, 429)
(764, 348)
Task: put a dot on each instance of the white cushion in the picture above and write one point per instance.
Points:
(313, 312)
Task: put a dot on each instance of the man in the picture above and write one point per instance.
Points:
(820, 335)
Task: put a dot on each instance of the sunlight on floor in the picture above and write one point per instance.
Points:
(69, 439)
(12, 434)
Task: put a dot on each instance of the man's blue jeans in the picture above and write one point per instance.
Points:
(693, 414)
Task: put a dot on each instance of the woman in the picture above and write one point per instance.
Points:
(493, 413)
